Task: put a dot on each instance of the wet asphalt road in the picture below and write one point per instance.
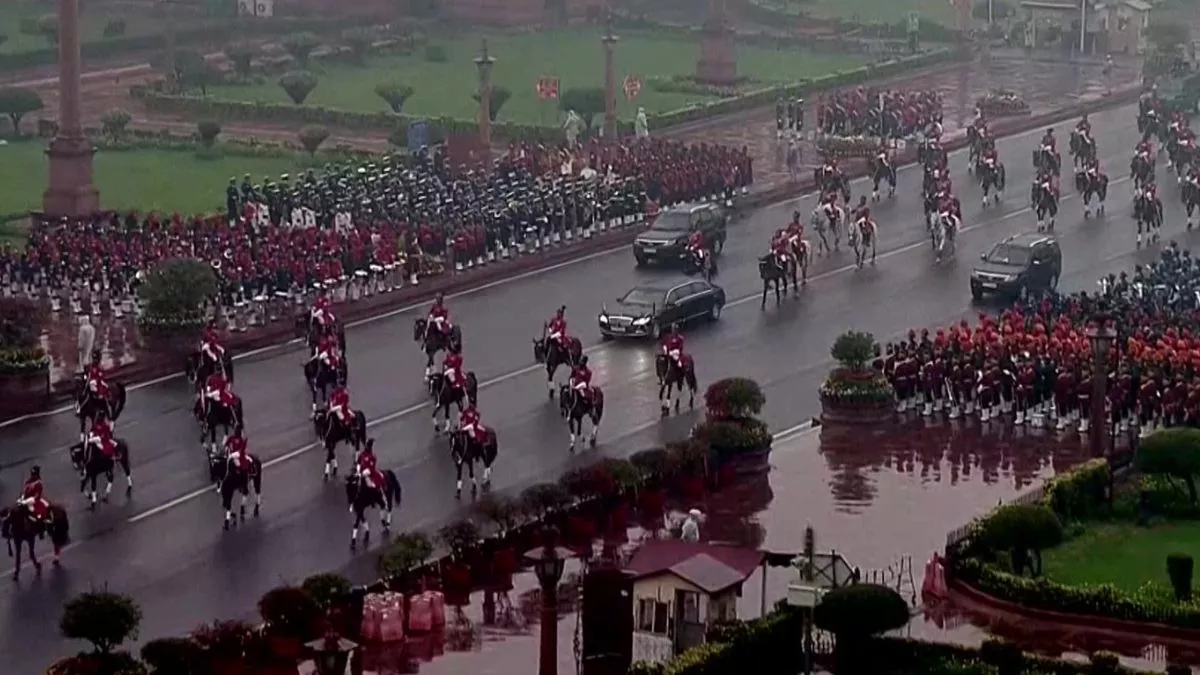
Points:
(165, 547)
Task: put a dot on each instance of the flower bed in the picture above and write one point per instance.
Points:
(855, 392)
(849, 147)
(1002, 103)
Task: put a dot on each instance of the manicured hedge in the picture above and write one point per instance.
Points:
(252, 111)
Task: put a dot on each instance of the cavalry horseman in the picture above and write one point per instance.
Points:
(98, 455)
(582, 400)
(452, 386)
(471, 443)
(97, 396)
(556, 347)
(435, 333)
(676, 370)
(324, 369)
(1083, 146)
(369, 486)
(236, 471)
(698, 257)
(31, 519)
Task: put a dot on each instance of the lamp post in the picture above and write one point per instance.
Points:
(610, 81)
(332, 652)
(1102, 336)
(548, 562)
(484, 63)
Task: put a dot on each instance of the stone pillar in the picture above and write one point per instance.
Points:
(71, 192)
(610, 82)
(718, 61)
(484, 63)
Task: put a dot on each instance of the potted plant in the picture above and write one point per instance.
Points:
(24, 366)
(735, 437)
(103, 619)
(462, 538)
(175, 295)
(854, 391)
(327, 589)
(403, 556)
(173, 656)
(224, 644)
(290, 617)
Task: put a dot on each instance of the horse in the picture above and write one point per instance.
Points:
(199, 365)
(931, 154)
(1180, 155)
(553, 354)
(1091, 183)
(314, 330)
(673, 376)
(991, 177)
(1047, 159)
(700, 261)
(1148, 213)
(331, 430)
(91, 463)
(465, 449)
(774, 275)
(1083, 148)
(361, 497)
(832, 181)
(433, 340)
(820, 223)
(882, 170)
(945, 233)
(1190, 194)
(1149, 124)
(88, 404)
(321, 377)
(18, 525)
(1141, 170)
(862, 240)
(576, 407)
(213, 414)
(236, 482)
(445, 395)
(1045, 203)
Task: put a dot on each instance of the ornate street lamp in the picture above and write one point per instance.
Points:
(331, 653)
(1102, 336)
(548, 562)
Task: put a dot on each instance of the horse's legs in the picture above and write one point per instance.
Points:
(762, 307)
(471, 472)
(665, 403)
(257, 480)
(91, 493)
(550, 368)
(358, 520)
(245, 497)
(330, 460)
(108, 482)
(37, 565)
(571, 424)
(458, 467)
(16, 575)
(128, 475)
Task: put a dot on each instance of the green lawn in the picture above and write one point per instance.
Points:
(143, 179)
(93, 18)
(1122, 554)
(868, 11)
(574, 56)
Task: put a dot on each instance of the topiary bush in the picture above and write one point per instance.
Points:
(326, 589)
(208, 130)
(298, 84)
(1007, 658)
(1172, 452)
(20, 333)
(408, 551)
(1180, 569)
(729, 438)
(733, 398)
(301, 46)
(1104, 663)
(1024, 530)
(175, 293)
(290, 612)
(854, 614)
(173, 656)
(854, 382)
(106, 620)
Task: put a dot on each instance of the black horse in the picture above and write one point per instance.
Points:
(1189, 192)
(576, 408)
(446, 395)
(1045, 159)
(231, 480)
(832, 181)
(672, 377)
(360, 498)
(553, 355)
(773, 274)
(313, 331)
(466, 450)
(1141, 170)
(1091, 184)
(883, 170)
(990, 174)
(88, 405)
(1083, 148)
(213, 415)
(198, 366)
(1148, 213)
(331, 430)
(1045, 204)
(91, 462)
(433, 340)
(321, 378)
(18, 526)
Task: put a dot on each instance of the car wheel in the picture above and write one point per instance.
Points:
(714, 314)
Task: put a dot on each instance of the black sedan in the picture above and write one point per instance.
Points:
(649, 311)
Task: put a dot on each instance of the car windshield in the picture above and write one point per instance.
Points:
(673, 221)
(643, 296)
(1007, 254)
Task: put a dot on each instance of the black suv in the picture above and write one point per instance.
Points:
(1019, 266)
(666, 240)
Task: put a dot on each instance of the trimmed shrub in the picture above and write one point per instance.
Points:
(1172, 452)
(1180, 568)
(175, 292)
(101, 618)
(734, 397)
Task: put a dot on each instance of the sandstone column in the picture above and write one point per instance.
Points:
(610, 81)
(484, 63)
(718, 61)
(71, 192)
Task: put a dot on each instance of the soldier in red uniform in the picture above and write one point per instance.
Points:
(210, 344)
(452, 369)
(1025, 391)
(236, 455)
(580, 380)
(32, 496)
(556, 328)
(327, 352)
(366, 464)
(1084, 396)
(438, 318)
(216, 389)
(1064, 389)
(101, 437)
(672, 346)
(1148, 401)
(94, 378)
(339, 406)
(470, 424)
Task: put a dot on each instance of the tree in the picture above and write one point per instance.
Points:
(1022, 530)
(114, 123)
(1173, 453)
(854, 614)
(298, 84)
(17, 102)
(47, 27)
(175, 292)
(312, 136)
(301, 46)
(496, 101)
(853, 349)
(587, 102)
(173, 656)
(208, 130)
(104, 619)
(242, 55)
(394, 94)
(359, 40)
(188, 69)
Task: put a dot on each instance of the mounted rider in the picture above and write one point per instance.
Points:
(339, 406)
(1083, 127)
(438, 318)
(321, 315)
(469, 422)
(101, 436)
(236, 455)
(556, 329)
(210, 344)
(328, 352)
(367, 469)
(94, 379)
(672, 345)
(216, 389)
(697, 246)
(781, 248)
(31, 496)
(452, 369)
(795, 229)
(1049, 142)
(580, 380)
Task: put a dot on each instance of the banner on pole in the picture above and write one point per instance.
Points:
(547, 88)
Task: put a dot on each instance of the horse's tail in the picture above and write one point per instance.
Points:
(352, 486)
(393, 491)
(360, 425)
(690, 375)
(661, 366)
(60, 526)
(597, 405)
(472, 387)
